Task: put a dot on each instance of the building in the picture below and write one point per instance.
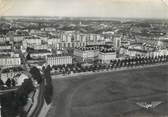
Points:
(162, 43)
(107, 55)
(9, 61)
(18, 38)
(160, 52)
(40, 53)
(15, 73)
(31, 40)
(40, 47)
(20, 79)
(54, 42)
(138, 49)
(5, 46)
(58, 60)
(48, 29)
(86, 53)
(3, 39)
(136, 52)
(117, 42)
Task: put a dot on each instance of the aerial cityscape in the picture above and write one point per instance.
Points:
(83, 67)
(83, 58)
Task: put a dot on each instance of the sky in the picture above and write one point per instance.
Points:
(86, 8)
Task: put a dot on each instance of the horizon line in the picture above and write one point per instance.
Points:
(154, 18)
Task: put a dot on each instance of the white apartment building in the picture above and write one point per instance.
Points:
(40, 47)
(48, 29)
(12, 74)
(54, 42)
(117, 42)
(161, 52)
(3, 39)
(10, 61)
(18, 38)
(86, 53)
(5, 46)
(59, 60)
(28, 41)
(107, 56)
(40, 53)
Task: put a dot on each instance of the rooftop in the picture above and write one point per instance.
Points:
(107, 51)
(32, 37)
(87, 48)
(138, 50)
(58, 55)
(40, 51)
(5, 44)
(12, 69)
(4, 55)
(6, 50)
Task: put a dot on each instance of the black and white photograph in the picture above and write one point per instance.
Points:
(83, 58)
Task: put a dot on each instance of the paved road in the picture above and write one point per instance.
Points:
(8, 90)
(40, 101)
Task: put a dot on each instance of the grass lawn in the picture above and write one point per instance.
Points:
(111, 94)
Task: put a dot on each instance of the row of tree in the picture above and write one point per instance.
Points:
(98, 65)
(48, 92)
(9, 83)
(36, 75)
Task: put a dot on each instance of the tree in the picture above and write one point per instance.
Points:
(13, 82)
(26, 87)
(48, 87)
(28, 57)
(1, 82)
(8, 82)
(35, 72)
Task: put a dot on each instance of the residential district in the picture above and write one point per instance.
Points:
(32, 46)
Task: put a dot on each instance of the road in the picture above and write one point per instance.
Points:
(40, 101)
(8, 90)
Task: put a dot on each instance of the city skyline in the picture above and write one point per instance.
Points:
(84, 8)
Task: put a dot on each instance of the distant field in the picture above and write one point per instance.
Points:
(111, 94)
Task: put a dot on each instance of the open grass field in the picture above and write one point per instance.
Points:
(111, 94)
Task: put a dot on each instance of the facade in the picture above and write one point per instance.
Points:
(59, 60)
(106, 56)
(86, 53)
(5, 46)
(40, 53)
(161, 52)
(138, 49)
(136, 52)
(3, 39)
(40, 47)
(28, 41)
(10, 61)
(117, 42)
(12, 73)
(72, 39)
(18, 38)
(48, 29)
